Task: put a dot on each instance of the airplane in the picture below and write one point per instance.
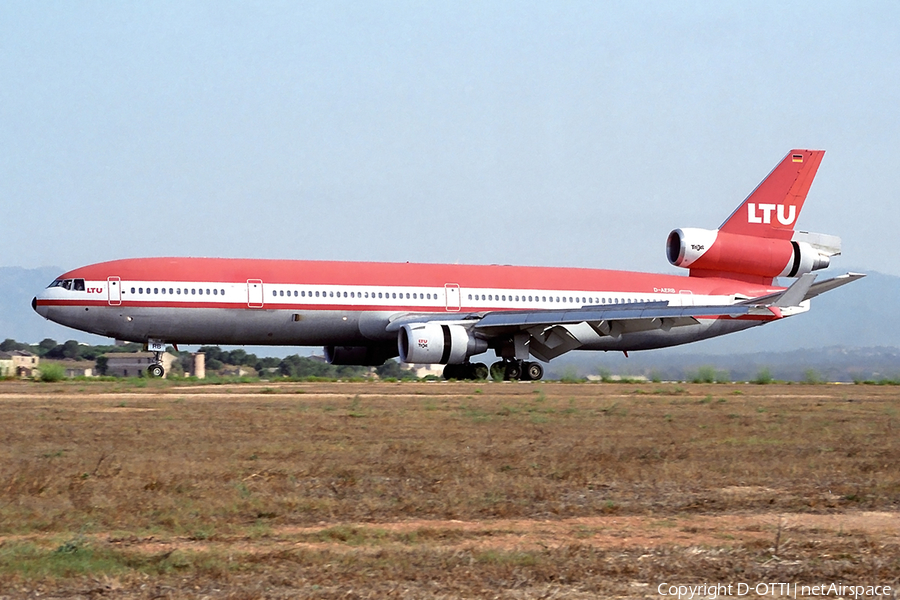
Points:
(365, 313)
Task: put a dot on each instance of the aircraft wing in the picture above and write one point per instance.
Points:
(546, 334)
(550, 333)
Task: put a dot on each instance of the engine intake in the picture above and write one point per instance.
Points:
(437, 343)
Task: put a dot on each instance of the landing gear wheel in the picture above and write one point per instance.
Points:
(533, 371)
(452, 372)
(480, 371)
(156, 371)
(513, 371)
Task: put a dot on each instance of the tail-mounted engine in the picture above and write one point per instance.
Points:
(716, 253)
(437, 343)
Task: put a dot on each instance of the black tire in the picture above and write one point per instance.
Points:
(452, 372)
(155, 371)
(513, 371)
(480, 371)
(533, 371)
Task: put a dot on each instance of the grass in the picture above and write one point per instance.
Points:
(244, 473)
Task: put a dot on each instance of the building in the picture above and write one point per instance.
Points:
(18, 363)
(134, 364)
(6, 365)
(423, 371)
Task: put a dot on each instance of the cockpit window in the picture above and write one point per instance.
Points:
(67, 284)
(56, 283)
(79, 285)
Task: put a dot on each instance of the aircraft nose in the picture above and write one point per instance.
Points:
(41, 310)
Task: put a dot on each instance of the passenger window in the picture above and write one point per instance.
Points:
(140, 290)
(132, 290)
(178, 291)
(215, 292)
(207, 291)
(395, 294)
(274, 293)
(222, 292)
(164, 291)
(345, 294)
(470, 296)
(200, 291)
(193, 291)
(155, 290)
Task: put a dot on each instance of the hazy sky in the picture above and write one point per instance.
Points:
(546, 133)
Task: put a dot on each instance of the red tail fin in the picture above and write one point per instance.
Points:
(774, 206)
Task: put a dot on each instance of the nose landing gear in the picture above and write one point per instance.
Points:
(156, 370)
(157, 347)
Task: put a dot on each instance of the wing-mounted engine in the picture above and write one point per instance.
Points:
(437, 343)
(715, 253)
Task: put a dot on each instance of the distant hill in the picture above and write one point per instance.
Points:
(859, 315)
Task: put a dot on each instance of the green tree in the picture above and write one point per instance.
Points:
(70, 349)
(8, 345)
(45, 346)
(102, 365)
(391, 368)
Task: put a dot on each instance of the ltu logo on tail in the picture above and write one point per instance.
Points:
(764, 214)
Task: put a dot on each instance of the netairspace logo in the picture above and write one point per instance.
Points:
(712, 591)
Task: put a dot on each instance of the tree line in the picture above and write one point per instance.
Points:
(217, 360)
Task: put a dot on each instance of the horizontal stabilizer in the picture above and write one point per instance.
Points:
(811, 292)
(796, 294)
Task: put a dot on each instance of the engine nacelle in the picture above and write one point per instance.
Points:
(365, 356)
(437, 343)
(712, 251)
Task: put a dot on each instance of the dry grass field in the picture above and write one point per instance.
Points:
(442, 490)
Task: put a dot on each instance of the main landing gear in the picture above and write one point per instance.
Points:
(510, 370)
(466, 371)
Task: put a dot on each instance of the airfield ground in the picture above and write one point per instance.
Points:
(437, 490)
